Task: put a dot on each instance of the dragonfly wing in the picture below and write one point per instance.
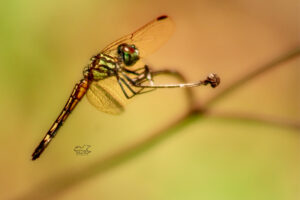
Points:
(106, 96)
(148, 38)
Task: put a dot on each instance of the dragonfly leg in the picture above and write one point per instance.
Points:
(174, 73)
(140, 75)
(121, 81)
(146, 77)
(135, 72)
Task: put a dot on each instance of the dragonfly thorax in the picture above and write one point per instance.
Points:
(101, 66)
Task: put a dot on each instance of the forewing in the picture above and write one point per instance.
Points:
(148, 38)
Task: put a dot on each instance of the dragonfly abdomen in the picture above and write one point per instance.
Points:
(77, 94)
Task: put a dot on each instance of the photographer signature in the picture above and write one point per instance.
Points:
(82, 150)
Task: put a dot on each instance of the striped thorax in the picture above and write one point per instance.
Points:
(101, 66)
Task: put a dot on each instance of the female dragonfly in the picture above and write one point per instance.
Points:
(117, 65)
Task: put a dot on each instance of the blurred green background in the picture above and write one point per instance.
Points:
(44, 46)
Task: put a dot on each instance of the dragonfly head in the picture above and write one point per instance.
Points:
(128, 53)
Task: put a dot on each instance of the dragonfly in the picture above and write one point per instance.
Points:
(120, 64)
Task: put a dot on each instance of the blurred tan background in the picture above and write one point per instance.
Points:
(44, 47)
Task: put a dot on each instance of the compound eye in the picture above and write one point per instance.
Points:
(129, 54)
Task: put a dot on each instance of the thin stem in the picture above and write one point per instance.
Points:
(191, 99)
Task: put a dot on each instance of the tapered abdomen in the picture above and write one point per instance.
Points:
(77, 93)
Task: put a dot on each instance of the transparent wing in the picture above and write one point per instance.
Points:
(106, 95)
(147, 39)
